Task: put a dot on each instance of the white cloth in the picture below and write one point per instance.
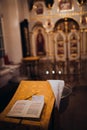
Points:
(57, 87)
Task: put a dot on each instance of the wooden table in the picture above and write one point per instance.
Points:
(26, 89)
(33, 63)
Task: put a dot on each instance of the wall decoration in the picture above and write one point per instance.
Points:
(40, 43)
(65, 5)
(81, 2)
(49, 3)
(83, 20)
(38, 7)
(48, 25)
(24, 25)
(73, 45)
(60, 46)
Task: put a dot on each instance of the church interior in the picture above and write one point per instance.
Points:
(44, 40)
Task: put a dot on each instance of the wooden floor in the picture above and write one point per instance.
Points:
(73, 110)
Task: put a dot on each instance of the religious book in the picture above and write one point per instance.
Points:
(27, 108)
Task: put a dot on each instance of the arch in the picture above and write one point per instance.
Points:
(74, 45)
(37, 25)
(65, 29)
(38, 40)
(60, 46)
(40, 43)
(61, 24)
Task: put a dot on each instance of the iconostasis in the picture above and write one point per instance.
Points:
(58, 31)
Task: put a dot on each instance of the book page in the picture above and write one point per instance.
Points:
(34, 110)
(18, 109)
(26, 108)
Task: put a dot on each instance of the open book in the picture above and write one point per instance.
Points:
(27, 108)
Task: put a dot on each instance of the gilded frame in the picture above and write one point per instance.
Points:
(65, 5)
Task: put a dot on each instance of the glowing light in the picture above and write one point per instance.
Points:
(53, 71)
(59, 72)
(47, 72)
